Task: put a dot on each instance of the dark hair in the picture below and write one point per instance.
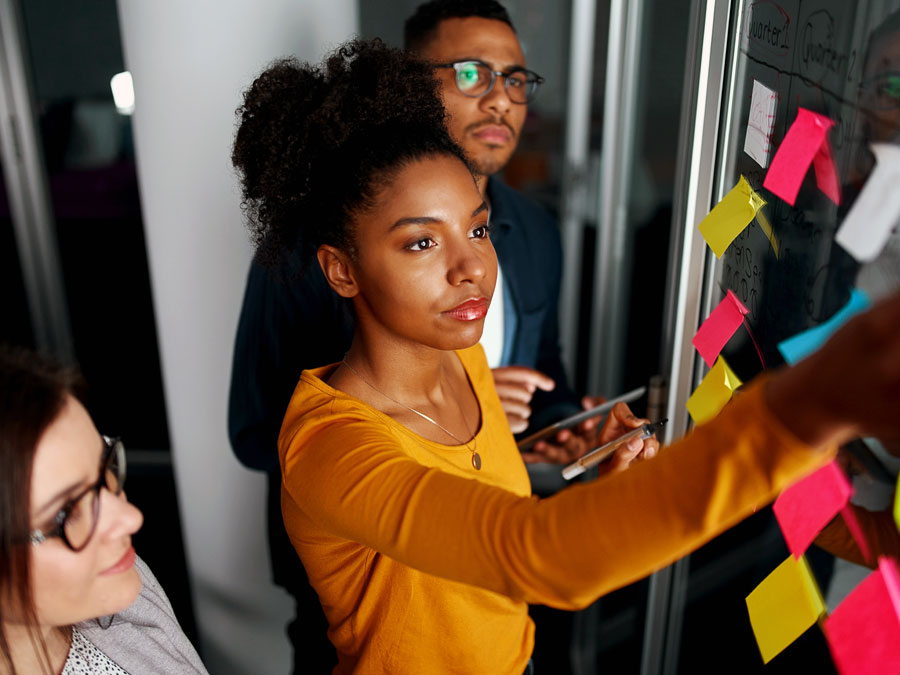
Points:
(316, 143)
(419, 29)
(33, 392)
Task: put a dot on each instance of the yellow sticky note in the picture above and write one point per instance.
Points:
(730, 216)
(784, 606)
(713, 393)
(897, 504)
(766, 227)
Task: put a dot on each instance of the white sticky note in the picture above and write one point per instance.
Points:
(758, 141)
(876, 210)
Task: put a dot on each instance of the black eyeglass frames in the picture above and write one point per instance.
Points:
(77, 519)
(476, 79)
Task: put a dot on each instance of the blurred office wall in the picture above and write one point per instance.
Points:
(190, 62)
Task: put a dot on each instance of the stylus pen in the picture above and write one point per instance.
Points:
(596, 456)
(602, 409)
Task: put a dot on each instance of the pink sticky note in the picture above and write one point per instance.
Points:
(863, 633)
(808, 506)
(856, 531)
(826, 172)
(718, 328)
(802, 144)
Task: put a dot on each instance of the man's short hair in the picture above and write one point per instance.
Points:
(419, 29)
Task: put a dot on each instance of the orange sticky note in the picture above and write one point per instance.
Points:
(863, 633)
(809, 505)
(784, 606)
(805, 143)
(730, 216)
(713, 393)
(719, 326)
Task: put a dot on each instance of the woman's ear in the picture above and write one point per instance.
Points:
(335, 265)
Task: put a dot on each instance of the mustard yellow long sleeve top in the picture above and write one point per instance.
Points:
(424, 565)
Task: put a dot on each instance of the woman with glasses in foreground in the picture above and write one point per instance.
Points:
(74, 597)
(403, 490)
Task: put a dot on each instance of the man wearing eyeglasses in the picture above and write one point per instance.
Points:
(291, 323)
(486, 90)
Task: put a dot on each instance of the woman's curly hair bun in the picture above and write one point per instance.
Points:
(315, 142)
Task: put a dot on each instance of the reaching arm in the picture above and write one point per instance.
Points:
(564, 551)
(352, 479)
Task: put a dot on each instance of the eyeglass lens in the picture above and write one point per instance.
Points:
(475, 79)
(81, 520)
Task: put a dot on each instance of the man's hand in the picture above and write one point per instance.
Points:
(588, 402)
(570, 444)
(516, 385)
(565, 447)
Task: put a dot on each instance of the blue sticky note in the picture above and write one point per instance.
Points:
(803, 344)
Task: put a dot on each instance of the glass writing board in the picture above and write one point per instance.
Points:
(835, 58)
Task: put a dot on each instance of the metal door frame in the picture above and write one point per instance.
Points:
(690, 265)
(29, 196)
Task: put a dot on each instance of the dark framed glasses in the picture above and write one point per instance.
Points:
(77, 519)
(476, 79)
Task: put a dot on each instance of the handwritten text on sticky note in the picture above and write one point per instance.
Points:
(803, 344)
(876, 210)
(758, 141)
(784, 606)
(805, 143)
(730, 216)
(714, 392)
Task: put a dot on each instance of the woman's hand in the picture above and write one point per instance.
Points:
(620, 421)
(849, 387)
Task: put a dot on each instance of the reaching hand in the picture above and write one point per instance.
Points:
(849, 387)
(516, 385)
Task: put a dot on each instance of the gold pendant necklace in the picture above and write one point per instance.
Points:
(476, 458)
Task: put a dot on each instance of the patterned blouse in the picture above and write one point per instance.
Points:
(85, 659)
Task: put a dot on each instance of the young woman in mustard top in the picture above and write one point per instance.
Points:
(404, 493)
